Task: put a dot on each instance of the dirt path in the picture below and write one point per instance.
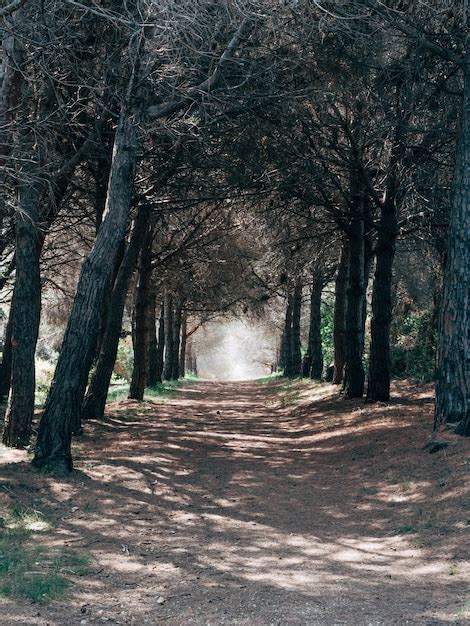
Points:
(250, 504)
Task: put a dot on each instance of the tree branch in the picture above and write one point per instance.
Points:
(162, 110)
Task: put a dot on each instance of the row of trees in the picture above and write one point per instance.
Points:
(206, 158)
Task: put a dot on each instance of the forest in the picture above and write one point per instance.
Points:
(234, 311)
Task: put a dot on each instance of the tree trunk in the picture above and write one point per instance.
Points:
(315, 350)
(286, 357)
(184, 330)
(160, 346)
(296, 358)
(368, 261)
(378, 385)
(95, 401)
(354, 369)
(175, 361)
(143, 314)
(339, 315)
(168, 326)
(5, 368)
(26, 317)
(153, 343)
(453, 353)
(62, 410)
(189, 354)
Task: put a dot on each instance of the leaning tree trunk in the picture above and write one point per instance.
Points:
(339, 315)
(286, 356)
(97, 392)
(184, 330)
(175, 361)
(296, 351)
(143, 314)
(453, 353)
(354, 369)
(62, 410)
(314, 335)
(168, 326)
(26, 317)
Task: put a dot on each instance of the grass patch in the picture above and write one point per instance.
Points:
(405, 530)
(117, 392)
(168, 388)
(289, 391)
(27, 569)
(269, 379)
(164, 391)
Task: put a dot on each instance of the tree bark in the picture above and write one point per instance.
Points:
(143, 314)
(184, 330)
(175, 361)
(378, 385)
(354, 369)
(160, 346)
(153, 343)
(169, 346)
(95, 401)
(453, 353)
(368, 261)
(62, 410)
(286, 356)
(315, 350)
(189, 354)
(5, 368)
(26, 316)
(296, 358)
(339, 315)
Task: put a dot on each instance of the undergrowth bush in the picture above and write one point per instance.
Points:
(413, 350)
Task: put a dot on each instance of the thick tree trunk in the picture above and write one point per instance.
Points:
(339, 315)
(296, 357)
(286, 356)
(26, 317)
(169, 345)
(453, 354)
(378, 386)
(184, 330)
(5, 368)
(95, 400)
(354, 369)
(315, 350)
(175, 361)
(62, 410)
(143, 315)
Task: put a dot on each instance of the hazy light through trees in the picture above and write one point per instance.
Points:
(235, 350)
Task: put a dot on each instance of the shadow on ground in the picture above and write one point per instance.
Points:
(243, 503)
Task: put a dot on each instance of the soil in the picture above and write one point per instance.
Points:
(256, 504)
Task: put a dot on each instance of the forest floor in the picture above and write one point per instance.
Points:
(254, 504)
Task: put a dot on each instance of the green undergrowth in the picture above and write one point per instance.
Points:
(163, 391)
(30, 570)
(265, 380)
(287, 390)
